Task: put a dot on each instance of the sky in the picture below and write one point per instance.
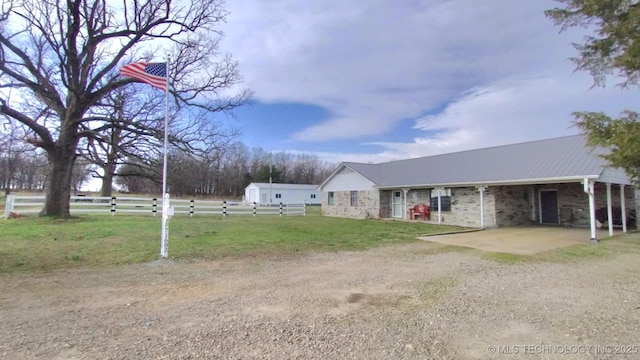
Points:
(380, 80)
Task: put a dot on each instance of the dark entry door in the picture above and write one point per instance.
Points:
(549, 206)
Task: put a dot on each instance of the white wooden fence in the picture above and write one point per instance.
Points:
(138, 205)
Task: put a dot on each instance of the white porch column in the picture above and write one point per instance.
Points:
(406, 210)
(439, 206)
(482, 188)
(589, 190)
(609, 211)
(622, 209)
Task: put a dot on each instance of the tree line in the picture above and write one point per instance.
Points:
(24, 167)
(223, 170)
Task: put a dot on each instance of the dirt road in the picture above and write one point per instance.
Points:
(402, 302)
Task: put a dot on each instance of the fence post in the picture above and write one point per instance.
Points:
(113, 205)
(191, 209)
(8, 206)
(155, 206)
(254, 209)
(304, 209)
(224, 208)
(280, 209)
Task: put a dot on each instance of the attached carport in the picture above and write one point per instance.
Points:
(517, 240)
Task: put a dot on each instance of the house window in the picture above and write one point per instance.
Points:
(445, 200)
(313, 196)
(330, 198)
(278, 196)
(354, 198)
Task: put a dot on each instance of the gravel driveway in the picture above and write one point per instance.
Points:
(401, 302)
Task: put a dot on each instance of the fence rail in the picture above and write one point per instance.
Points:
(33, 204)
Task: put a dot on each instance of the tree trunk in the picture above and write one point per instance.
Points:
(107, 180)
(61, 160)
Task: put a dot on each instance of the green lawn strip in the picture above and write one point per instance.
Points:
(44, 244)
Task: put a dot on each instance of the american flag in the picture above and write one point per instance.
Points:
(154, 74)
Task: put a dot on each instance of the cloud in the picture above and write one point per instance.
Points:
(385, 61)
(505, 112)
(510, 111)
(471, 73)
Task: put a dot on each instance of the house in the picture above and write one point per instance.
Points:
(559, 181)
(275, 193)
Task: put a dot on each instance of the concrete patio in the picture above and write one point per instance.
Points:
(520, 240)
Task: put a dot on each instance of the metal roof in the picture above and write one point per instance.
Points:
(559, 159)
(285, 186)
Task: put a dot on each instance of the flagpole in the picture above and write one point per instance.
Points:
(164, 237)
(270, 162)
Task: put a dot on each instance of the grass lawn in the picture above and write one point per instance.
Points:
(28, 244)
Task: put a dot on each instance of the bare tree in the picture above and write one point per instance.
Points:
(11, 154)
(21, 165)
(61, 58)
(227, 170)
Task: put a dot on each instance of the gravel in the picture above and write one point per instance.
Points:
(398, 302)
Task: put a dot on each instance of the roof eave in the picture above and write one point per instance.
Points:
(552, 180)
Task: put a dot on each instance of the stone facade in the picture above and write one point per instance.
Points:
(465, 208)
(574, 203)
(368, 204)
(417, 197)
(503, 205)
(414, 197)
(513, 205)
(385, 204)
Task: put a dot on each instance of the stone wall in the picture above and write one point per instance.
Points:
(417, 197)
(503, 205)
(513, 205)
(465, 208)
(573, 203)
(385, 204)
(368, 204)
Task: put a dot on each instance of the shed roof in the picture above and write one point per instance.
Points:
(281, 186)
(558, 159)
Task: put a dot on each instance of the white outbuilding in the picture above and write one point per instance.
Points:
(275, 193)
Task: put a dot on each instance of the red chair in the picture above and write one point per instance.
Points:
(420, 210)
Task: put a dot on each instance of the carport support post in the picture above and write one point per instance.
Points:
(609, 211)
(623, 211)
(482, 188)
(439, 206)
(589, 189)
